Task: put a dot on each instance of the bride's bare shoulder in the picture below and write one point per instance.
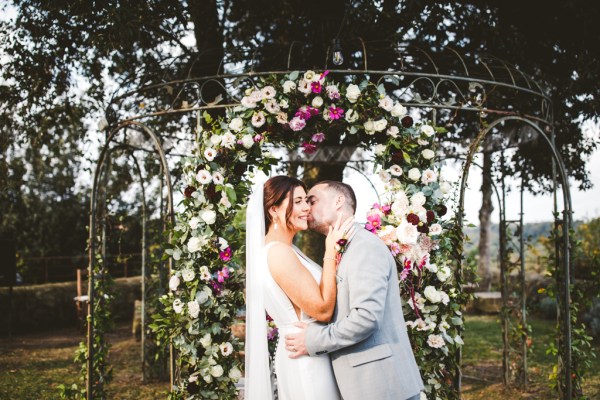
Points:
(280, 255)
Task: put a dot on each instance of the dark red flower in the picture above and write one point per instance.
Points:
(430, 216)
(210, 191)
(413, 219)
(442, 210)
(423, 228)
(188, 191)
(342, 242)
(407, 122)
(397, 157)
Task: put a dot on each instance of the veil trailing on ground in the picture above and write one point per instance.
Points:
(257, 380)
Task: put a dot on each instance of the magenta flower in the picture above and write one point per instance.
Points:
(297, 124)
(403, 275)
(324, 74)
(257, 138)
(272, 333)
(217, 287)
(223, 274)
(395, 249)
(304, 113)
(318, 137)
(335, 112)
(309, 148)
(316, 87)
(374, 223)
(226, 254)
(313, 110)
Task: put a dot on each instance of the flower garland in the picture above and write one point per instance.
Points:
(306, 111)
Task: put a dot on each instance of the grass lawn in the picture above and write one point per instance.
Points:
(32, 366)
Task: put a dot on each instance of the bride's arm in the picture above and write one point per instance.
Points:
(316, 300)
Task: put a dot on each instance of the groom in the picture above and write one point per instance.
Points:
(367, 340)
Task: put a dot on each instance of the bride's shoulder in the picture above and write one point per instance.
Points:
(279, 253)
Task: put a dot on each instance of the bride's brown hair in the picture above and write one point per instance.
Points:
(276, 189)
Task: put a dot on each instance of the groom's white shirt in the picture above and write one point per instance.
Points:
(367, 339)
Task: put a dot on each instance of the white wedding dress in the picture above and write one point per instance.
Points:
(304, 378)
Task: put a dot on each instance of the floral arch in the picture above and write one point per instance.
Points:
(368, 109)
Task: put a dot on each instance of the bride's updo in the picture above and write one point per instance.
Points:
(276, 189)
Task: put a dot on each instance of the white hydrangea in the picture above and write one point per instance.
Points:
(236, 124)
(195, 244)
(193, 308)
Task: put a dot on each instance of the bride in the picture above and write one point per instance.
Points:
(290, 287)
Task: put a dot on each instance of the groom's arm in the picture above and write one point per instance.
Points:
(368, 279)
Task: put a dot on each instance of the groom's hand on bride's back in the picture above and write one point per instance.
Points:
(295, 342)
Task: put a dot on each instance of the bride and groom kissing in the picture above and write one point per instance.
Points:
(341, 328)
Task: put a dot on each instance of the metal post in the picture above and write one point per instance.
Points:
(504, 283)
(523, 294)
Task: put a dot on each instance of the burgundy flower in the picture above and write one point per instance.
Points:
(309, 148)
(442, 210)
(269, 317)
(413, 219)
(407, 122)
(210, 191)
(217, 287)
(188, 191)
(430, 216)
(423, 228)
(342, 242)
(397, 157)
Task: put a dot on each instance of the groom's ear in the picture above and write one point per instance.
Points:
(339, 202)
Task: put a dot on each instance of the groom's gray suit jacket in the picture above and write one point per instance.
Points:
(367, 339)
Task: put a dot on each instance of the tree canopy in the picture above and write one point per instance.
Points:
(63, 61)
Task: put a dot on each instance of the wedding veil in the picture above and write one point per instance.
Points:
(257, 380)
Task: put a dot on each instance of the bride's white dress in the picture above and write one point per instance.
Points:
(304, 378)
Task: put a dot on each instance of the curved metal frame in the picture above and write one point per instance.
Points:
(104, 157)
(471, 98)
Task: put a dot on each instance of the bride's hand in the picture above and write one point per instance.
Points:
(339, 231)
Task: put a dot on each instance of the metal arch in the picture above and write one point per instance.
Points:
(104, 156)
(567, 210)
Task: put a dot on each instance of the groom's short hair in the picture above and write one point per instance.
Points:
(345, 190)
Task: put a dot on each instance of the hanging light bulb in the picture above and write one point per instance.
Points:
(338, 57)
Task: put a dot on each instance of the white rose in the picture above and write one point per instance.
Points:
(226, 348)
(235, 374)
(396, 170)
(445, 298)
(432, 294)
(445, 187)
(428, 154)
(369, 127)
(247, 141)
(407, 233)
(310, 75)
(400, 207)
(393, 131)
(174, 283)
(203, 177)
(216, 371)
(206, 341)
(380, 125)
(282, 118)
(225, 200)
(202, 297)
(236, 124)
(247, 102)
(427, 130)
(216, 140)
(351, 115)
(305, 86)
(177, 306)
(428, 176)
(228, 140)
(398, 110)
(194, 222)
(435, 341)
(288, 86)
(208, 216)
(385, 176)
(256, 96)
(210, 154)
(435, 229)
(418, 199)
(272, 106)
(379, 149)
(258, 119)
(188, 274)
(443, 273)
(268, 92)
(193, 308)
(414, 174)
(431, 268)
(352, 93)
(218, 178)
(386, 103)
(195, 244)
(317, 102)
(205, 273)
